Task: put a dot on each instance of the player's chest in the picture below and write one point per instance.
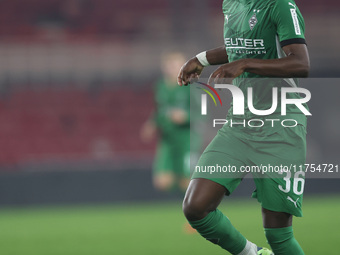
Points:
(248, 21)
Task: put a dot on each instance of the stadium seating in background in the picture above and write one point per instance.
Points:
(33, 19)
(56, 124)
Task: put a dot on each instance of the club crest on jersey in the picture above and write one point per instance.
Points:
(252, 21)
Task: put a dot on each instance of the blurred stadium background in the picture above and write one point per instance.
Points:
(76, 81)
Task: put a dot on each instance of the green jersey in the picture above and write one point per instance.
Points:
(259, 29)
(169, 97)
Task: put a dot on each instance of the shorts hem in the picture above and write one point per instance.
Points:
(276, 210)
(228, 192)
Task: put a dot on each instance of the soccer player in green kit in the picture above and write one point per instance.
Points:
(262, 38)
(170, 120)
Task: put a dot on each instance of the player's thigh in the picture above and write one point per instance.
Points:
(181, 162)
(281, 187)
(221, 162)
(163, 168)
(181, 158)
(272, 219)
(163, 162)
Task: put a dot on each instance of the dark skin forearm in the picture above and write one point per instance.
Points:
(296, 64)
(193, 68)
(217, 56)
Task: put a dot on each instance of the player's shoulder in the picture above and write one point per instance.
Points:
(278, 7)
(282, 3)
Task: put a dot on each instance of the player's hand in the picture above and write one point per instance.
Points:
(178, 116)
(190, 70)
(148, 132)
(227, 71)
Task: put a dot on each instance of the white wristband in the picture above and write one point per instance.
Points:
(202, 58)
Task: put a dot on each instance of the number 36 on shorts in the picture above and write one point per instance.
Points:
(298, 182)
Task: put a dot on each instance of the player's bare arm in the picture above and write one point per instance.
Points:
(193, 67)
(295, 64)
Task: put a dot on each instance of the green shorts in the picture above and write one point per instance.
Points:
(275, 162)
(173, 157)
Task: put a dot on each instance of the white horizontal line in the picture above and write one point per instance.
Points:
(262, 48)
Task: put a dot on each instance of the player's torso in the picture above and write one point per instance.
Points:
(169, 96)
(248, 30)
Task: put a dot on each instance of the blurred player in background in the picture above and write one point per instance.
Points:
(170, 120)
(263, 38)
